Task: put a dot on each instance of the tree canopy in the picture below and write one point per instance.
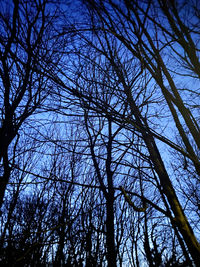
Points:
(99, 133)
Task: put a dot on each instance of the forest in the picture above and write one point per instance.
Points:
(100, 133)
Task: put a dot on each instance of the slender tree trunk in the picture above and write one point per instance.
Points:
(167, 187)
(110, 238)
(6, 173)
(110, 229)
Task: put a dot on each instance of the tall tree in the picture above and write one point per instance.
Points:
(28, 45)
(128, 32)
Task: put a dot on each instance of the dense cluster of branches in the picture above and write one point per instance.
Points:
(99, 134)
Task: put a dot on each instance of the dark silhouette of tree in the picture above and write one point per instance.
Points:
(28, 45)
(125, 26)
(99, 134)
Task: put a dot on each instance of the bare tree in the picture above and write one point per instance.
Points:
(28, 45)
(123, 84)
(126, 25)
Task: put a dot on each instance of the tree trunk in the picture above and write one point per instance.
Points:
(167, 187)
(110, 238)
